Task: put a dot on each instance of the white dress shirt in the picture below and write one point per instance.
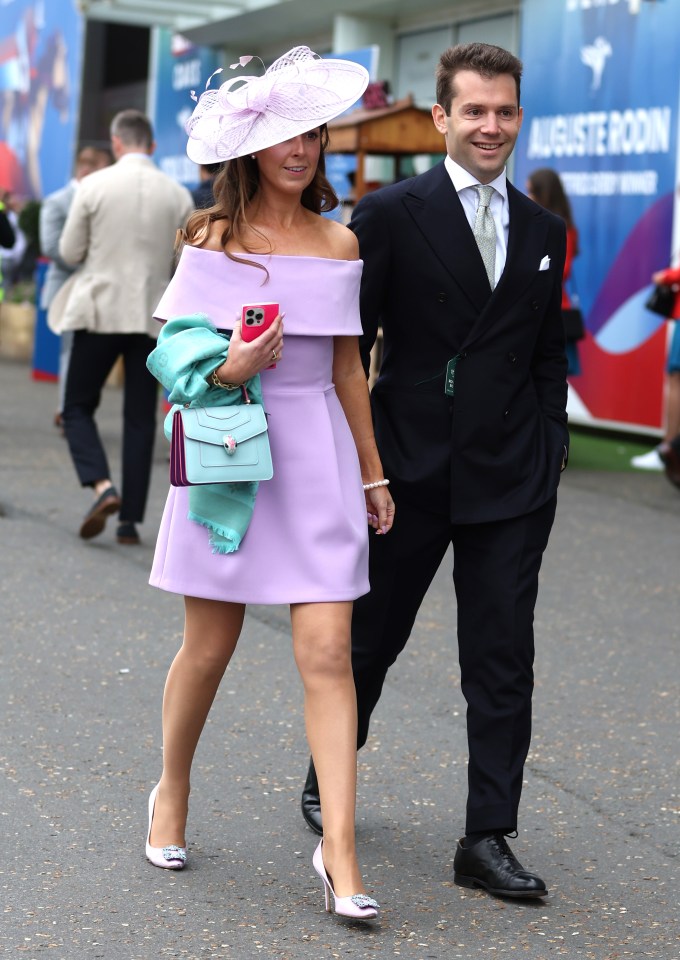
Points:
(465, 186)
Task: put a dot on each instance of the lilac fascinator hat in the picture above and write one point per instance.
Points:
(298, 92)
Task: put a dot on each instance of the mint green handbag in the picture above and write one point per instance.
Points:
(222, 444)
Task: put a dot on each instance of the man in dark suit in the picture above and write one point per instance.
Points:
(470, 419)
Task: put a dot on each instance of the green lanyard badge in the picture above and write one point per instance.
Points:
(451, 375)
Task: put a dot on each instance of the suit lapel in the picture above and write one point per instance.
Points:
(526, 245)
(436, 210)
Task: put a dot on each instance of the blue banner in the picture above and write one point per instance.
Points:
(40, 67)
(178, 68)
(600, 95)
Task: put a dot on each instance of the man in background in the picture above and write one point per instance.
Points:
(53, 213)
(121, 229)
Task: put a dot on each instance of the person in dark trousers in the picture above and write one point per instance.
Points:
(120, 229)
(463, 272)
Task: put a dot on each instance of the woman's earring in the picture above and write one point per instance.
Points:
(252, 156)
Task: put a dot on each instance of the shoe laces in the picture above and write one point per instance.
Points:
(503, 847)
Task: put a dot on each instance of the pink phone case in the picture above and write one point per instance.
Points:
(255, 319)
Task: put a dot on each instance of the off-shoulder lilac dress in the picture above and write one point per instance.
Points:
(308, 538)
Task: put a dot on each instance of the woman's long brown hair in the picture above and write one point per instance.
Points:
(547, 190)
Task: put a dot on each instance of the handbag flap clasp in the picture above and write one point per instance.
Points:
(225, 426)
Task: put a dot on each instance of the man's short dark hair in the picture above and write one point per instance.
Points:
(100, 148)
(133, 128)
(483, 58)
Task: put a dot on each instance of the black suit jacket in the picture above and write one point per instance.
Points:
(495, 449)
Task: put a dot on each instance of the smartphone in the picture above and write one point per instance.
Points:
(255, 319)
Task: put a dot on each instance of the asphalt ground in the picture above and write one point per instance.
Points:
(86, 644)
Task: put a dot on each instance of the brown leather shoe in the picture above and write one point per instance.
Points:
(95, 518)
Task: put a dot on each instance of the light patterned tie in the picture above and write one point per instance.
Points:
(485, 233)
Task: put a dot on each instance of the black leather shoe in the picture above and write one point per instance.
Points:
(490, 864)
(311, 802)
(127, 534)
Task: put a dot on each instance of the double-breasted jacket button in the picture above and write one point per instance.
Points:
(443, 298)
(512, 358)
(535, 305)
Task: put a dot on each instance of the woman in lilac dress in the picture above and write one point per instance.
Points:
(306, 544)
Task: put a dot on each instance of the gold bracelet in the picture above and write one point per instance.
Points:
(225, 386)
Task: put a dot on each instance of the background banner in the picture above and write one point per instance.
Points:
(177, 68)
(601, 94)
(41, 48)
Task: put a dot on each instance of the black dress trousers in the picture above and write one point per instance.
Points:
(92, 359)
(495, 575)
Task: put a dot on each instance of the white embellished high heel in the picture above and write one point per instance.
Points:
(169, 858)
(357, 907)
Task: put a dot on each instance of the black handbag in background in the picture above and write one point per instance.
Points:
(572, 317)
(661, 300)
(574, 328)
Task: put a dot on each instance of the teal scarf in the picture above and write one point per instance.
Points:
(189, 349)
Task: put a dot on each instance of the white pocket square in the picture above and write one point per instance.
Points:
(544, 264)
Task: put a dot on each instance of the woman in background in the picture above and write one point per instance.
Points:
(668, 451)
(545, 188)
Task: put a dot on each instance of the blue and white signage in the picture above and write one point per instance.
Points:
(178, 68)
(601, 92)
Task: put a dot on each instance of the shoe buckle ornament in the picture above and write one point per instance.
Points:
(175, 853)
(361, 900)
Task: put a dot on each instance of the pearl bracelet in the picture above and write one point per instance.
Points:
(378, 483)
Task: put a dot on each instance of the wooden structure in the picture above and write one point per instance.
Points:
(399, 130)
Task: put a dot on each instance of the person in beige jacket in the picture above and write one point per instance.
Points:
(121, 229)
